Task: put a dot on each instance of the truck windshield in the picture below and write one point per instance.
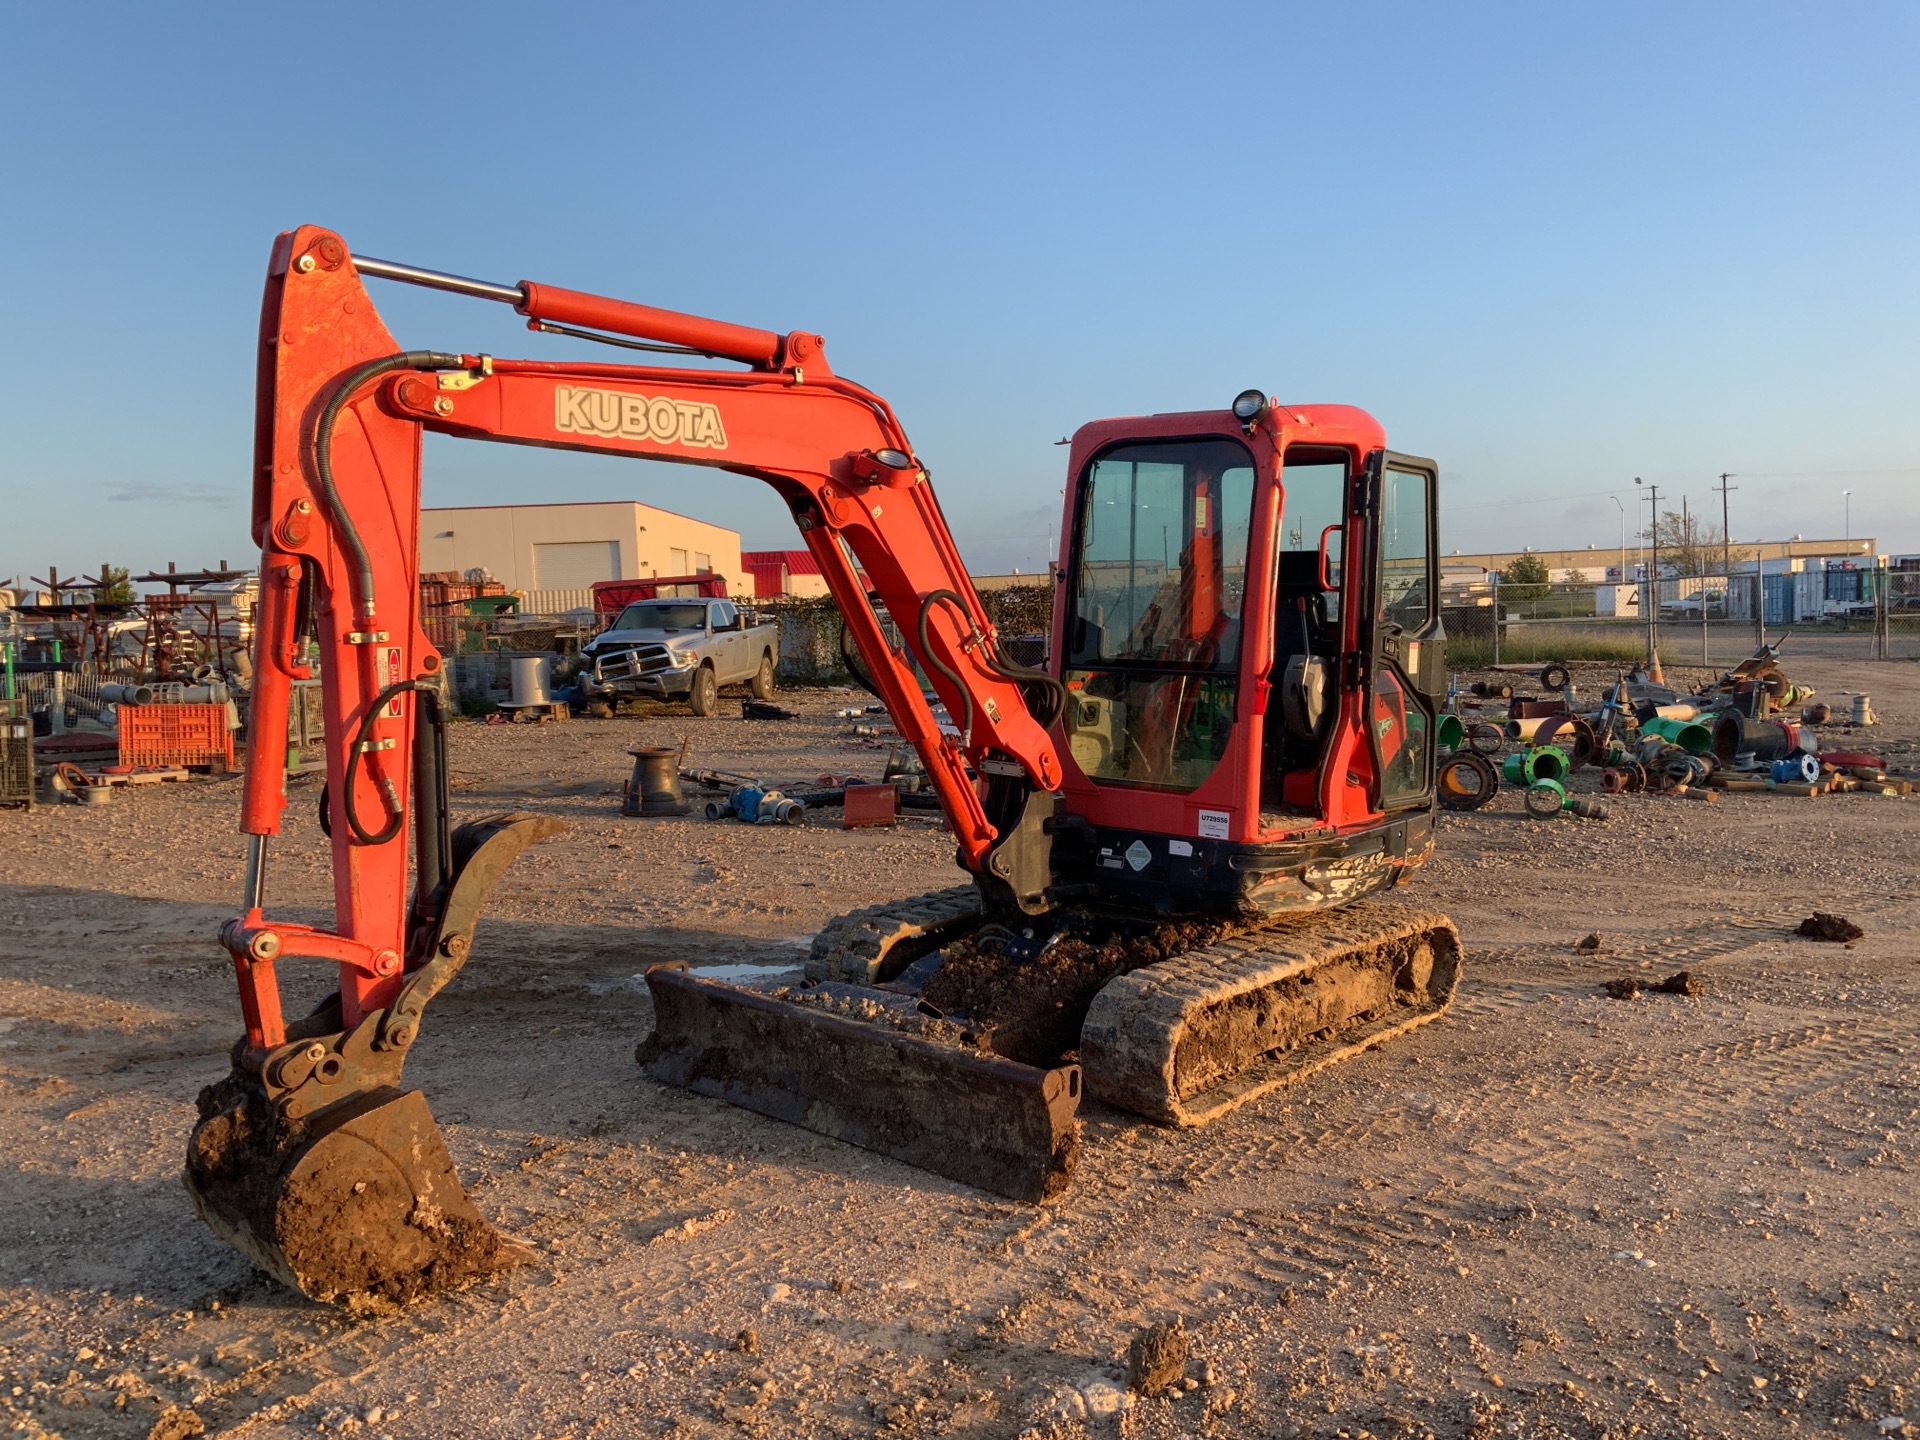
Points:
(659, 615)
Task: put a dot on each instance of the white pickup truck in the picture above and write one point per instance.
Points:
(679, 650)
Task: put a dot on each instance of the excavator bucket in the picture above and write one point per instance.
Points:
(332, 1177)
(985, 1121)
(363, 1199)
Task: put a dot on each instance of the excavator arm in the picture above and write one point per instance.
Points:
(336, 499)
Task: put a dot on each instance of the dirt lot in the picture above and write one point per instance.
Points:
(1552, 1213)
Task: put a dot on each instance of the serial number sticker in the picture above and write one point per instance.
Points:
(1213, 824)
(1180, 847)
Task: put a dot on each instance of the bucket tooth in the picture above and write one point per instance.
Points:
(987, 1122)
(359, 1198)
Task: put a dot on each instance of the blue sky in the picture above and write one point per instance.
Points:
(1553, 247)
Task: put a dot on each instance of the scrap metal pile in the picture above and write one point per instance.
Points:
(1752, 729)
(100, 687)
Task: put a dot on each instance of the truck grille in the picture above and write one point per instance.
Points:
(634, 663)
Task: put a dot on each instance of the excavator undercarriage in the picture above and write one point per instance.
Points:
(970, 1059)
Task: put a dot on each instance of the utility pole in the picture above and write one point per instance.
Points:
(1726, 529)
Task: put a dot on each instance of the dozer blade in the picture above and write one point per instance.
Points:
(363, 1199)
(985, 1121)
(1190, 1038)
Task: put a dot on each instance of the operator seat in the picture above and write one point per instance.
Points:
(1302, 645)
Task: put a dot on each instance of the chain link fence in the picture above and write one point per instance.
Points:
(1715, 620)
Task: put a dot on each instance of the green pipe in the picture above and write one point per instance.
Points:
(1450, 732)
(1549, 763)
(1545, 799)
(1546, 762)
(1690, 735)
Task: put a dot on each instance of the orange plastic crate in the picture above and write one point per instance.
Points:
(175, 735)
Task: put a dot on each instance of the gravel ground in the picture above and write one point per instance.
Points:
(1551, 1213)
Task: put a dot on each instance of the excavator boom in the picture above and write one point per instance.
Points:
(340, 412)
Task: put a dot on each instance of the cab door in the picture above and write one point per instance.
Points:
(1407, 670)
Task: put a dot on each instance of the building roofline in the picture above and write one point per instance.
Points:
(557, 504)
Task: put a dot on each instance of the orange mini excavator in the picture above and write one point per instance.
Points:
(1168, 834)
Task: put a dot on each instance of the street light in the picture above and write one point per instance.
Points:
(1846, 499)
(1652, 611)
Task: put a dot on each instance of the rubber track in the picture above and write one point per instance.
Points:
(855, 947)
(1133, 1033)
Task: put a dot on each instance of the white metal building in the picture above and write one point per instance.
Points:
(570, 546)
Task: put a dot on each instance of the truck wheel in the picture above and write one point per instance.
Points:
(763, 677)
(705, 695)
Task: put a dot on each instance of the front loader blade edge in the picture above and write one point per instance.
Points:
(987, 1122)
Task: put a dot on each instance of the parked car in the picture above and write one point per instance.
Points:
(679, 650)
(1713, 602)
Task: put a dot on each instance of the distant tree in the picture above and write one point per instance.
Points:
(1694, 545)
(114, 588)
(1525, 580)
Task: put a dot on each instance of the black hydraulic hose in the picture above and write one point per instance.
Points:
(392, 827)
(1026, 675)
(348, 532)
(303, 607)
(927, 655)
(860, 677)
(995, 661)
(432, 838)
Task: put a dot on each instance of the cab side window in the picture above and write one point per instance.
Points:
(1406, 597)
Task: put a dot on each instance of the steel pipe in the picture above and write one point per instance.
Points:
(1766, 740)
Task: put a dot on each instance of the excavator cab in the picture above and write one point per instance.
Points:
(1246, 704)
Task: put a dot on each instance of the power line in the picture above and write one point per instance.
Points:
(1801, 474)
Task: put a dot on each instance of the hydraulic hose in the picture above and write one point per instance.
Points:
(995, 661)
(343, 525)
(926, 652)
(1026, 675)
(392, 827)
(860, 677)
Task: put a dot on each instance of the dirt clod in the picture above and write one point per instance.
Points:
(1822, 926)
(1591, 944)
(1157, 1357)
(1625, 988)
(747, 1342)
(177, 1422)
(1682, 982)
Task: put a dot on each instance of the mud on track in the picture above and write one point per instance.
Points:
(1549, 1213)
